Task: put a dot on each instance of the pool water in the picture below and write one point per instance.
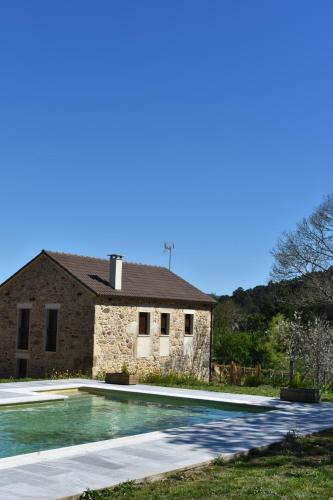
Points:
(86, 417)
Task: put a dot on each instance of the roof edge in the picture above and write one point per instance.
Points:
(34, 259)
(21, 269)
(205, 300)
(209, 300)
(63, 268)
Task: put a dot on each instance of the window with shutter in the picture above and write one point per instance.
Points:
(143, 323)
(188, 324)
(165, 319)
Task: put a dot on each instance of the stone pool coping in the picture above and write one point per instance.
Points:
(66, 472)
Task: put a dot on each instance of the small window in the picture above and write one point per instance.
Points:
(143, 323)
(165, 320)
(188, 324)
(23, 328)
(51, 329)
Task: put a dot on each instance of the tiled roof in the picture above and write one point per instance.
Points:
(138, 280)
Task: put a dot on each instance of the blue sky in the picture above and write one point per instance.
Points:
(125, 124)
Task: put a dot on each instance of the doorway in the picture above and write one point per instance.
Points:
(21, 368)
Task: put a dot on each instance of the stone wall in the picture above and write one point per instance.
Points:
(116, 339)
(96, 335)
(43, 282)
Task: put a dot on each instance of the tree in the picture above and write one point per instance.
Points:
(291, 339)
(309, 347)
(233, 347)
(307, 255)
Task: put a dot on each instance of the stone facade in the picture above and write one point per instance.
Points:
(97, 334)
(40, 284)
(117, 340)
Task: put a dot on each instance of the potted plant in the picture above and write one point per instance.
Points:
(124, 377)
(299, 392)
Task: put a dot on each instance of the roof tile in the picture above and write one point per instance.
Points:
(138, 280)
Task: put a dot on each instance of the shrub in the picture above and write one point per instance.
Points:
(253, 380)
(233, 346)
(276, 380)
(296, 381)
(171, 378)
(245, 349)
(100, 375)
(124, 369)
(62, 374)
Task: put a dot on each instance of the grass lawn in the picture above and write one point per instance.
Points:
(297, 468)
(192, 383)
(262, 390)
(13, 379)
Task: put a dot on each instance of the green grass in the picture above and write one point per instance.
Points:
(297, 468)
(13, 379)
(188, 382)
(54, 375)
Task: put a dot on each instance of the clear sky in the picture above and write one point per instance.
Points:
(127, 123)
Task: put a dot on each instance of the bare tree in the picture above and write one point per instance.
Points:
(318, 350)
(309, 348)
(291, 335)
(307, 254)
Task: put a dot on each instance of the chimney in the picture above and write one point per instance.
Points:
(116, 271)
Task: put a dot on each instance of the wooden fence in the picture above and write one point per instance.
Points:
(236, 374)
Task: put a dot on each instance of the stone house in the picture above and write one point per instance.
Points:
(68, 312)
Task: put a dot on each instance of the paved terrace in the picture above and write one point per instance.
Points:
(64, 472)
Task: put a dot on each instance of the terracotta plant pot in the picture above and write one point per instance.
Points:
(121, 378)
(300, 395)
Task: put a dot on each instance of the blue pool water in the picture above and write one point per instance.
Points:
(86, 417)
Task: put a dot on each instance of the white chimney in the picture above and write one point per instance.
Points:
(116, 271)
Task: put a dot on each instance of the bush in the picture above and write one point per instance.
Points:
(276, 380)
(245, 348)
(299, 382)
(100, 376)
(124, 369)
(171, 378)
(233, 346)
(63, 374)
(253, 380)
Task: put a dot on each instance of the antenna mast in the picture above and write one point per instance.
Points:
(168, 247)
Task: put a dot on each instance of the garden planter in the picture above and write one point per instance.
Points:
(300, 395)
(121, 378)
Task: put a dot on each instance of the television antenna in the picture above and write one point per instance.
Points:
(168, 247)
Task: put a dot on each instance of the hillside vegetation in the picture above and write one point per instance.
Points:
(245, 322)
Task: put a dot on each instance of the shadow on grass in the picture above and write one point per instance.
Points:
(312, 451)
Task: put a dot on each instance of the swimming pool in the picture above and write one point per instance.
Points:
(87, 416)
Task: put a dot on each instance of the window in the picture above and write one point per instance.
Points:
(23, 328)
(165, 320)
(188, 324)
(143, 323)
(51, 329)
